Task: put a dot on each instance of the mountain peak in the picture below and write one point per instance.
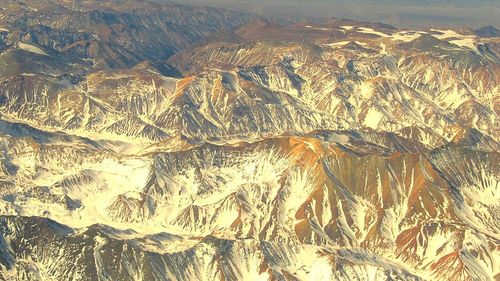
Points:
(487, 31)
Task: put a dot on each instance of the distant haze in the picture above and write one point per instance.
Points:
(421, 13)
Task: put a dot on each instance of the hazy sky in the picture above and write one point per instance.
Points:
(473, 13)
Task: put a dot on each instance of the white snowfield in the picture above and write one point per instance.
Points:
(369, 30)
(451, 36)
(32, 49)
(317, 28)
(400, 36)
(407, 36)
(461, 40)
(373, 118)
(347, 27)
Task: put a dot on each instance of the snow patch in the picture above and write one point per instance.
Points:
(369, 30)
(341, 44)
(32, 49)
(337, 44)
(373, 118)
(347, 27)
(406, 36)
(455, 38)
(317, 28)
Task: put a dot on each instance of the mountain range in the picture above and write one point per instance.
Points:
(158, 141)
